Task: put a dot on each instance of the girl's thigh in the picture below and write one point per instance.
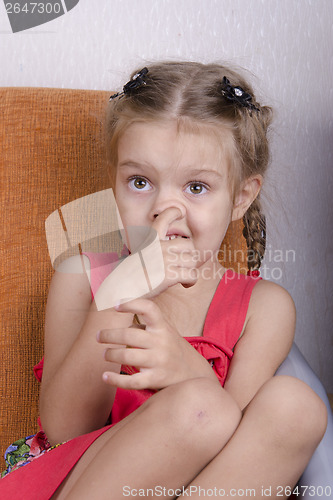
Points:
(91, 453)
(85, 460)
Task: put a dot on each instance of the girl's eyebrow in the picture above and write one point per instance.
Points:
(134, 164)
(192, 172)
(200, 171)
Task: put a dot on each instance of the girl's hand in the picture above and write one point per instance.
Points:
(179, 255)
(159, 352)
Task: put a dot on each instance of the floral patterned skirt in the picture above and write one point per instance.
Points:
(25, 450)
(47, 466)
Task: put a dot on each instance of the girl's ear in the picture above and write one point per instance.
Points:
(247, 193)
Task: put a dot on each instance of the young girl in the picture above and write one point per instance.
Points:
(195, 407)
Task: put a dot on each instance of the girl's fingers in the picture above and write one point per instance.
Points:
(132, 337)
(137, 381)
(131, 357)
(146, 309)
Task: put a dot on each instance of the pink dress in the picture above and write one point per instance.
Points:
(43, 468)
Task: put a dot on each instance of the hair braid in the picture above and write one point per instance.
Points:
(255, 234)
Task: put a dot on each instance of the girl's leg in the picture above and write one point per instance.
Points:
(280, 429)
(165, 443)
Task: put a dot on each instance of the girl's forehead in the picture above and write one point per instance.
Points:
(177, 128)
(175, 140)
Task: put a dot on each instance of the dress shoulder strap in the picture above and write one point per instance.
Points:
(227, 312)
(101, 265)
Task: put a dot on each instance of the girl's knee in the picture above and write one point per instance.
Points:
(202, 408)
(297, 412)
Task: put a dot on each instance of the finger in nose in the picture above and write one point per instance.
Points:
(181, 209)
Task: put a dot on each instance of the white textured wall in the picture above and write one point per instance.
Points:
(288, 45)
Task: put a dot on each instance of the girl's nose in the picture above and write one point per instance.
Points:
(167, 197)
(158, 210)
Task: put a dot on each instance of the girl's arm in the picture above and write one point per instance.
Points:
(74, 400)
(266, 341)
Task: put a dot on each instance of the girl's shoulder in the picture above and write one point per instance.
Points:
(75, 264)
(271, 309)
(269, 294)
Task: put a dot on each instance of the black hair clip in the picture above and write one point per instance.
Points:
(237, 95)
(137, 81)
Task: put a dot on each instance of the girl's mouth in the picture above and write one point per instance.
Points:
(174, 236)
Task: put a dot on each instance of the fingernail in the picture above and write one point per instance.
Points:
(116, 304)
(98, 335)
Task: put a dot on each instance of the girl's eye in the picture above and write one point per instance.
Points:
(196, 188)
(139, 183)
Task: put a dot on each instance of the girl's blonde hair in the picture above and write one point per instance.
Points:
(192, 93)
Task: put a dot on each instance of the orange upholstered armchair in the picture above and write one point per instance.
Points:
(53, 152)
